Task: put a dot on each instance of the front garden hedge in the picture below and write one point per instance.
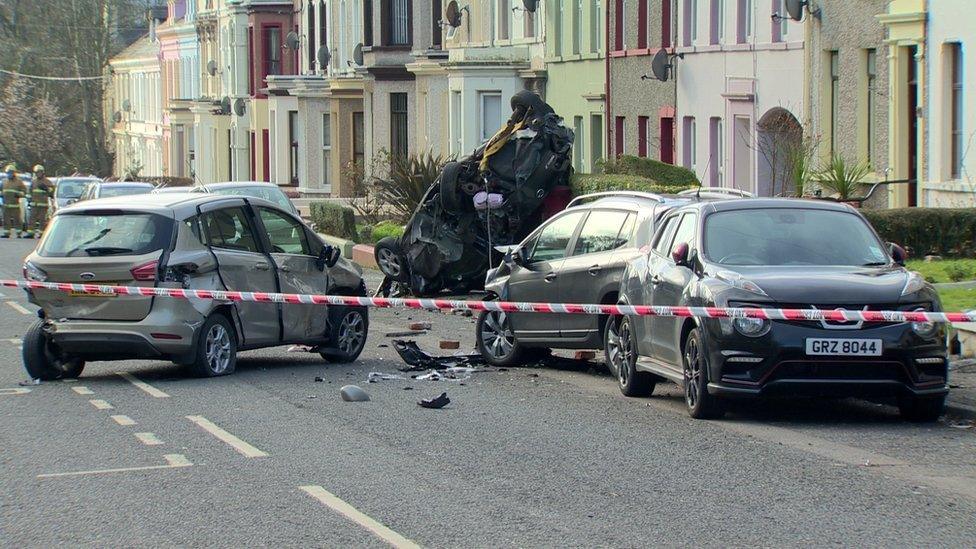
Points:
(949, 232)
(334, 219)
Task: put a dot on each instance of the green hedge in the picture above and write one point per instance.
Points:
(334, 219)
(384, 229)
(662, 173)
(595, 183)
(923, 231)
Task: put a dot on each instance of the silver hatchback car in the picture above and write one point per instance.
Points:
(193, 241)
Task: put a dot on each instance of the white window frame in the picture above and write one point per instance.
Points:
(484, 131)
(326, 149)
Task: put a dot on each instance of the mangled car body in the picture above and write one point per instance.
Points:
(490, 199)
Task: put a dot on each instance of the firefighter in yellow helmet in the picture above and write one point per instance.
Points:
(41, 193)
(13, 190)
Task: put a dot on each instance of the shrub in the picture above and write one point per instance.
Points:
(923, 231)
(595, 183)
(409, 178)
(385, 229)
(957, 272)
(841, 178)
(334, 219)
(661, 173)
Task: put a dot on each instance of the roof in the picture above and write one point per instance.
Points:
(233, 184)
(164, 203)
(142, 48)
(128, 184)
(768, 203)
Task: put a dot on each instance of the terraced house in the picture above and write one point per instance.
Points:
(180, 68)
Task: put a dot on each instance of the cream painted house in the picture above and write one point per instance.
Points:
(137, 108)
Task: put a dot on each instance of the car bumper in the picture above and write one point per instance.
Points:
(777, 364)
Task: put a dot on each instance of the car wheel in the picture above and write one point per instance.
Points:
(701, 404)
(921, 409)
(496, 340)
(390, 260)
(216, 352)
(350, 327)
(448, 190)
(42, 359)
(620, 347)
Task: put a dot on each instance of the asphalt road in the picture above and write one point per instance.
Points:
(521, 457)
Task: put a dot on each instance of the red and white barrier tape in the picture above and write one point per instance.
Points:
(838, 315)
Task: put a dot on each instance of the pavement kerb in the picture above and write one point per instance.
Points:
(962, 411)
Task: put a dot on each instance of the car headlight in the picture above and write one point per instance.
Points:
(924, 329)
(914, 283)
(752, 327)
(736, 280)
(32, 272)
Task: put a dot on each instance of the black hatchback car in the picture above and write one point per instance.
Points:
(777, 253)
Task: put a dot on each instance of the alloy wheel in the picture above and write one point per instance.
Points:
(497, 336)
(620, 349)
(352, 332)
(693, 372)
(389, 262)
(218, 349)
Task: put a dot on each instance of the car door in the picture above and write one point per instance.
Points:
(592, 269)
(535, 279)
(243, 267)
(667, 285)
(655, 260)
(298, 273)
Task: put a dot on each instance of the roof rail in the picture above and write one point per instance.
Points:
(632, 194)
(699, 191)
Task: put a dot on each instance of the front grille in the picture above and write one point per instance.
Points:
(839, 370)
(831, 307)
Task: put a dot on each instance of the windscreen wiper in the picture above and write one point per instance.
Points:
(107, 250)
(101, 234)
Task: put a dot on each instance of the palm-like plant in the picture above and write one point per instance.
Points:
(407, 181)
(841, 178)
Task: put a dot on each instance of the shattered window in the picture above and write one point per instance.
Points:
(555, 237)
(600, 232)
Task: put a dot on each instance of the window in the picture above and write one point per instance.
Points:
(456, 140)
(715, 151)
(595, 27)
(872, 77)
(577, 26)
(557, 29)
(367, 25)
(528, 24)
(744, 21)
(491, 113)
(554, 238)
(781, 26)
(398, 23)
(685, 233)
(579, 159)
(287, 236)
(358, 139)
(641, 24)
(667, 139)
(98, 234)
(436, 32)
(618, 135)
(398, 124)
(601, 232)
(596, 139)
(956, 110)
(309, 33)
(272, 50)
(293, 147)
(716, 27)
(688, 142)
(618, 25)
(662, 240)
(642, 136)
(230, 229)
(504, 16)
(326, 148)
(694, 20)
(834, 61)
(323, 29)
(666, 23)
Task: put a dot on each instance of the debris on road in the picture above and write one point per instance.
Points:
(373, 377)
(419, 326)
(404, 334)
(420, 360)
(449, 344)
(300, 349)
(435, 403)
(29, 382)
(584, 355)
(353, 393)
(319, 379)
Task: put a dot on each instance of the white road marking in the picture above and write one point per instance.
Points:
(124, 420)
(149, 389)
(83, 390)
(69, 380)
(18, 307)
(173, 461)
(15, 340)
(101, 404)
(244, 448)
(149, 439)
(374, 527)
(15, 391)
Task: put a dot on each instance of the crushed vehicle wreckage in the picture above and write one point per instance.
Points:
(480, 203)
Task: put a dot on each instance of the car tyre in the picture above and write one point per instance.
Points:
(620, 348)
(700, 403)
(349, 329)
(496, 340)
(216, 348)
(449, 192)
(390, 259)
(922, 409)
(43, 361)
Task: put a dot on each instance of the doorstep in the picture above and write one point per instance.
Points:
(362, 254)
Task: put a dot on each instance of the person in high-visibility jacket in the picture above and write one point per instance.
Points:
(41, 193)
(13, 190)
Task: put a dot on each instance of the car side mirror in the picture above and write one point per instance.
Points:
(328, 257)
(897, 253)
(680, 255)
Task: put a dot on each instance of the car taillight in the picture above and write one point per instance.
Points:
(145, 272)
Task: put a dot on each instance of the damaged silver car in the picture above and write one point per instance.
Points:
(492, 198)
(193, 241)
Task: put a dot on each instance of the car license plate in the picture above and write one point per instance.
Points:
(842, 347)
(96, 294)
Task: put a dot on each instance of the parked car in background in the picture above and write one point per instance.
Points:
(577, 256)
(197, 241)
(107, 189)
(257, 189)
(777, 253)
(70, 189)
(171, 190)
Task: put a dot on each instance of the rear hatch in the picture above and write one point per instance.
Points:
(101, 247)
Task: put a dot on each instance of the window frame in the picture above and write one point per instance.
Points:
(582, 227)
(245, 209)
(664, 232)
(570, 244)
(693, 245)
(298, 225)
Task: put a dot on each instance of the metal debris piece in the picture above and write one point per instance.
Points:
(420, 361)
(353, 393)
(438, 402)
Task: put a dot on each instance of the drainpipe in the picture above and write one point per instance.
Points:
(606, 54)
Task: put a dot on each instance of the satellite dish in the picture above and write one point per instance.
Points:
(211, 67)
(530, 5)
(239, 107)
(795, 9)
(225, 105)
(292, 40)
(117, 117)
(453, 14)
(126, 105)
(357, 54)
(323, 56)
(660, 65)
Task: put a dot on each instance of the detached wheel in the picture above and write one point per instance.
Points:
(449, 191)
(216, 352)
(921, 409)
(349, 328)
(390, 260)
(43, 360)
(700, 404)
(620, 347)
(496, 340)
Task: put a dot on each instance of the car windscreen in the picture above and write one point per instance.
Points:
(790, 236)
(105, 233)
(122, 190)
(271, 194)
(71, 188)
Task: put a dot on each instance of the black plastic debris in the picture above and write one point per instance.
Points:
(420, 361)
(435, 403)
(319, 379)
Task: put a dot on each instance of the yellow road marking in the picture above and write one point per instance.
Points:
(149, 389)
(18, 307)
(173, 461)
(124, 420)
(244, 448)
(83, 390)
(101, 404)
(374, 527)
(149, 439)
(15, 391)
